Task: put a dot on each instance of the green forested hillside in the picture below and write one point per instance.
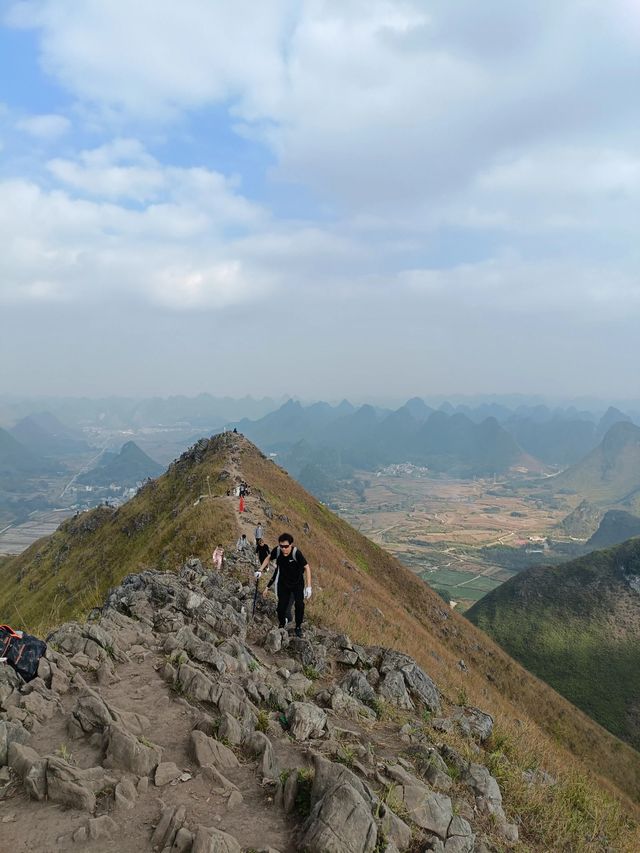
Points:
(577, 626)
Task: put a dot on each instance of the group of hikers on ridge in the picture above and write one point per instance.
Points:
(291, 572)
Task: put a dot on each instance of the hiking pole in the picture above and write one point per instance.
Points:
(255, 597)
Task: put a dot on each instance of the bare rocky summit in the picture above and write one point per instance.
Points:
(173, 721)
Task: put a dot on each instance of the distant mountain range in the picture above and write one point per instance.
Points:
(126, 468)
(557, 436)
(45, 435)
(368, 437)
(203, 411)
(577, 626)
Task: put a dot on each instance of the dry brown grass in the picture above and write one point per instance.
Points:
(362, 590)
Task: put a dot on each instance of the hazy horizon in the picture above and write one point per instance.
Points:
(508, 400)
(363, 200)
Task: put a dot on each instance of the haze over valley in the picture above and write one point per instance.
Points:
(467, 495)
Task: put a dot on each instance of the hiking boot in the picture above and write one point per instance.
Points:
(298, 632)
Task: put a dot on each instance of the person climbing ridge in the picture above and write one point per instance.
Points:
(218, 555)
(293, 574)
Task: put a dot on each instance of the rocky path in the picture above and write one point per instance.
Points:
(171, 721)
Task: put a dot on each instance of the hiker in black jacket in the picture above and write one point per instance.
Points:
(294, 579)
(262, 551)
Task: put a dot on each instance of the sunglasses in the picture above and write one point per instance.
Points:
(284, 545)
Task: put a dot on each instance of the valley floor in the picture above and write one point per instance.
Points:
(463, 537)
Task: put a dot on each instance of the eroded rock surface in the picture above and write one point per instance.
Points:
(253, 739)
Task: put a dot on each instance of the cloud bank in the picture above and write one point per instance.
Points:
(464, 171)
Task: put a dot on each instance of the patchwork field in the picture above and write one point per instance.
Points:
(14, 539)
(463, 537)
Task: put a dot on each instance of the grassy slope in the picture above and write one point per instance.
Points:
(360, 589)
(577, 626)
(64, 575)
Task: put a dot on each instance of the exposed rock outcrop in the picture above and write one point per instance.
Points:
(171, 689)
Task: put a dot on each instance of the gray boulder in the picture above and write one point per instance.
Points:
(306, 720)
(259, 744)
(474, 723)
(430, 810)
(208, 751)
(167, 828)
(345, 705)
(31, 768)
(309, 654)
(394, 690)
(126, 751)
(418, 683)
(73, 787)
(10, 733)
(210, 840)
(341, 822)
(166, 772)
(460, 837)
(230, 730)
(355, 684)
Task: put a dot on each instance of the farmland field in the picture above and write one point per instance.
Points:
(448, 531)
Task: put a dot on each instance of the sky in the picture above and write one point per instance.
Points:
(364, 198)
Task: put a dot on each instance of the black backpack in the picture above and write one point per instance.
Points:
(22, 651)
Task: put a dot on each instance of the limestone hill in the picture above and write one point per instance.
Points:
(126, 468)
(18, 463)
(368, 437)
(616, 526)
(577, 626)
(610, 474)
(45, 435)
(358, 590)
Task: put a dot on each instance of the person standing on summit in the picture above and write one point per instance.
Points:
(294, 579)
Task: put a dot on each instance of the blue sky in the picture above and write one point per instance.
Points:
(357, 199)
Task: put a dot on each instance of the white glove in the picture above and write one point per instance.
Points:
(307, 592)
(258, 575)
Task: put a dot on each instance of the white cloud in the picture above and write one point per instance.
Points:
(576, 170)
(64, 248)
(124, 170)
(378, 103)
(154, 58)
(46, 126)
(533, 290)
(467, 172)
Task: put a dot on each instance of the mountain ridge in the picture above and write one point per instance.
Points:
(358, 589)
